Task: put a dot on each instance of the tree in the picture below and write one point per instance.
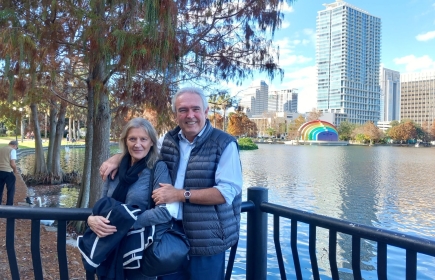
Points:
(293, 127)
(403, 132)
(129, 53)
(213, 105)
(345, 129)
(314, 115)
(217, 120)
(239, 124)
(225, 101)
(358, 134)
(371, 132)
(270, 131)
(432, 130)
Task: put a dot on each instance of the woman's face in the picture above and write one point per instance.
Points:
(138, 144)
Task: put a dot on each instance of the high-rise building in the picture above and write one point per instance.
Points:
(285, 100)
(255, 98)
(418, 97)
(348, 62)
(390, 95)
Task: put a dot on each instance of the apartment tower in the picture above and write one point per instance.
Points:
(348, 62)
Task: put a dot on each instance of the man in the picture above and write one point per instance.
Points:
(8, 155)
(205, 167)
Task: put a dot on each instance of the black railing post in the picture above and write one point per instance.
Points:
(256, 239)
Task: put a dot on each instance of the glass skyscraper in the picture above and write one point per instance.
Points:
(348, 61)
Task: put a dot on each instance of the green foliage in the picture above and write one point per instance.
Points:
(345, 130)
(270, 131)
(246, 143)
(293, 127)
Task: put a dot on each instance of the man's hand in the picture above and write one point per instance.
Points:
(110, 167)
(100, 226)
(167, 194)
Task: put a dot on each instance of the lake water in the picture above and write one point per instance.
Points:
(387, 187)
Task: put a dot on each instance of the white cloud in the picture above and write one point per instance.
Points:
(305, 81)
(413, 63)
(308, 31)
(285, 8)
(285, 24)
(286, 56)
(426, 36)
(293, 59)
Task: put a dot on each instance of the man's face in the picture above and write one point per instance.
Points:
(191, 114)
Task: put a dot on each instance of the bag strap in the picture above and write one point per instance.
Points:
(151, 203)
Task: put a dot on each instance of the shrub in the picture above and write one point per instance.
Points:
(10, 133)
(247, 144)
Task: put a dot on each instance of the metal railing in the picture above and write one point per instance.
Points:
(257, 208)
(256, 250)
(61, 215)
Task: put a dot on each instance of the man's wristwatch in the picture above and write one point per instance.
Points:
(187, 195)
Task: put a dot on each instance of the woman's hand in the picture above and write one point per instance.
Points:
(100, 226)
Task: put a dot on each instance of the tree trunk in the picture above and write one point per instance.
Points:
(100, 147)
(56, 169)
(78, 130)
(101, 113)
(70, 131)
(53, 124)
(40, 166)
(83, 199)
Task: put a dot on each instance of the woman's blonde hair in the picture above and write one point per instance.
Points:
(149, 129)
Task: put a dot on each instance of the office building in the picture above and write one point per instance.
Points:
(283, 101)
(348, 62)
(418, 97)
(255, 99)
(390, 95)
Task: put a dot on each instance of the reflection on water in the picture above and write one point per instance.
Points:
(71, 159)
(386, 187)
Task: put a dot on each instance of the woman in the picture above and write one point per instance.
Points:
(131, 185)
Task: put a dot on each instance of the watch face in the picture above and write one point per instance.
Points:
(187, 194)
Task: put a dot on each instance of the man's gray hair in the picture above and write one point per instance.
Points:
(190, 90)
(13, 143)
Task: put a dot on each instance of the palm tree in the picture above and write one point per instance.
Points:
(225, 101)
(213, 104)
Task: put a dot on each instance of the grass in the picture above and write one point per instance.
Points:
(30, 144)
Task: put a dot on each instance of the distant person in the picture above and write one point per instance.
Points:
(32, 135)
(67, 138)
(8, 155)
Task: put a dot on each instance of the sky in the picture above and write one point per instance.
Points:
(407, 43)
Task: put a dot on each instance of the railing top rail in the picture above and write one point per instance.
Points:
(401, 240)
(35, 213)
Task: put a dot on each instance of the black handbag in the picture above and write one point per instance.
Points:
(167, 248)
(167, 252)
